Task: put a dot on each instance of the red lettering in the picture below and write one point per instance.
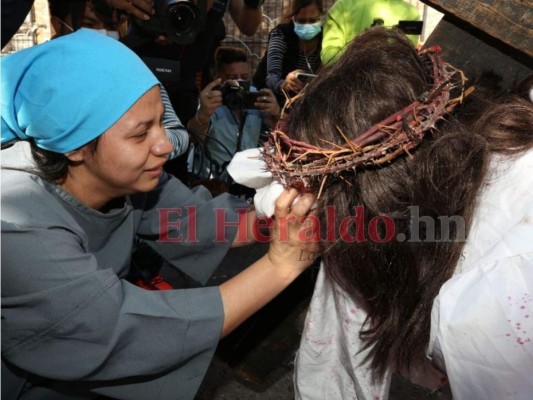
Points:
(261, 223)
(283, 222)
(359, 222)
(310, 233)
(191, 224)
(221, 224)
(165, 225)
(373, 231)
(330, 224)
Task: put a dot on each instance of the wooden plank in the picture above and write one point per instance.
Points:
(510, 21)
(475, 52)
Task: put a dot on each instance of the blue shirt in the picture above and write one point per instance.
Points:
(222, 142)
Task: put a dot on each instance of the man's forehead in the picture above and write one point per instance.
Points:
(235, 68)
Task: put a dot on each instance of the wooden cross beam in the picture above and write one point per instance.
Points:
(482, 35)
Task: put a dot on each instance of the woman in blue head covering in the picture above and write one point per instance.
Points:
(72, 325)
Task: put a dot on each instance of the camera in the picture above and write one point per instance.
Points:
(179, 20)
(236, 95)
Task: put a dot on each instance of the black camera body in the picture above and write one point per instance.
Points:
(236, 95)
(179, 20)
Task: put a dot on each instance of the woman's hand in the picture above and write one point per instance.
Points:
(295, 234)
(293, 248)
(291, 84)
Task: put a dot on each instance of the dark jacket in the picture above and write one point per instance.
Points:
(291, 57)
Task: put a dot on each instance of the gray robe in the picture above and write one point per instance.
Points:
(72, 326)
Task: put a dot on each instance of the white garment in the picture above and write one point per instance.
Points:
(247, 168)
(482, 320)
(18, 156)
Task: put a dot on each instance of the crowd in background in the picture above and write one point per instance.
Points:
(376, 310)
(294, 55)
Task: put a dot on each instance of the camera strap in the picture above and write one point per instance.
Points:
(240, 130)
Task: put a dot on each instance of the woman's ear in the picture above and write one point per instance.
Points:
(78, 155)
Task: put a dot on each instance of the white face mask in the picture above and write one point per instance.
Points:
(307, 31)
(111, 34)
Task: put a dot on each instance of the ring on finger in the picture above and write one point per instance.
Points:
(208, 94)
(264, 99)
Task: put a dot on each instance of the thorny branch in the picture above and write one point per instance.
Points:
(297, 163)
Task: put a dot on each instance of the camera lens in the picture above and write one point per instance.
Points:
(182, 20)
(232, 96)
(234, 101)
(182, 17)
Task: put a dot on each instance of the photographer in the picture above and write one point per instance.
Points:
(68, 16)
(226, 107)
(14, 12)
(188, 54)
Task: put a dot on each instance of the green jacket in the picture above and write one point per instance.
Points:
(347, 18)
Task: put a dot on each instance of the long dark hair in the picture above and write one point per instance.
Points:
(396, 282)
(297, 5)
(51, 166)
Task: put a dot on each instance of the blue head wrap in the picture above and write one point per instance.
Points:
(70, 90)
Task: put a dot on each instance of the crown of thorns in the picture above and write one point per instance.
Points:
(297, 164)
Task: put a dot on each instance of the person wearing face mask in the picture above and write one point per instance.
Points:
(218, 119)
(15, 11)
(293, 47)
(94, 20)
(68, 16)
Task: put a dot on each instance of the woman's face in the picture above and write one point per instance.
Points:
(129, 157)
(308, 15)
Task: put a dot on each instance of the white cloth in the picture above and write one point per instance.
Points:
(247, 168)
(482, 319)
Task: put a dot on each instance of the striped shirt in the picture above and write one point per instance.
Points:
(277, 49)
(176, 132)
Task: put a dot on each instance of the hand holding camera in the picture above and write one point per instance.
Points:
(210, 99)
(267, 103)
(169, 21)
(236, 96)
